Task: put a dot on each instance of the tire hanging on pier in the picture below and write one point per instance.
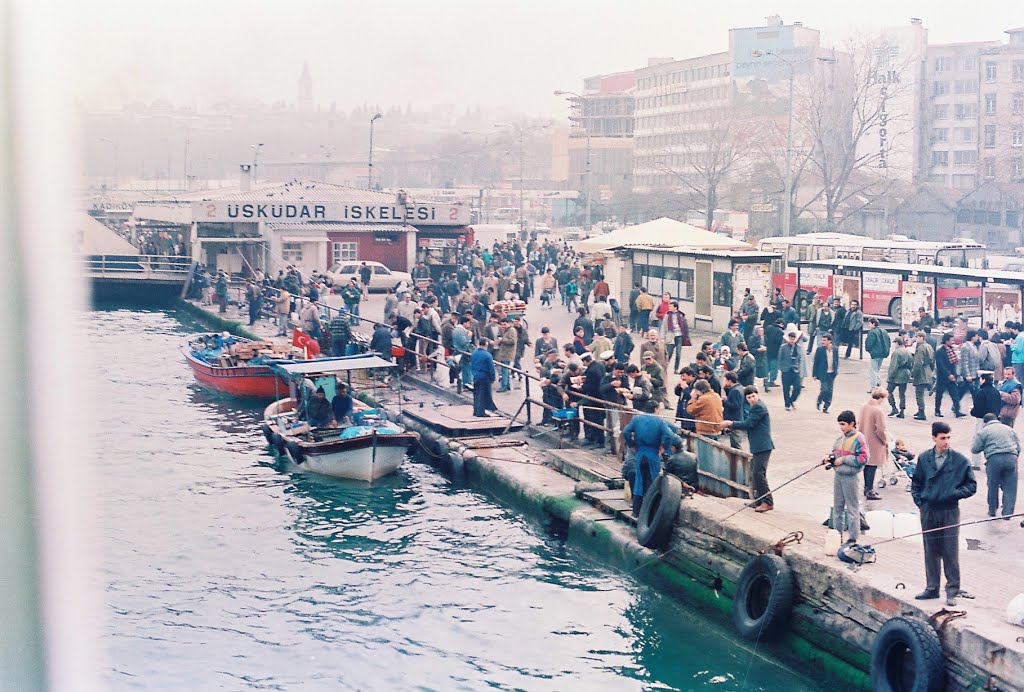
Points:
(764, 598)
(907, 657)
(658, 511)
(267, 433)
(278, 443)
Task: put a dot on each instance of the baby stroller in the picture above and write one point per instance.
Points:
(900, 465)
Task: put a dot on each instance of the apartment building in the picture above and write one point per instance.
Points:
(951, 115)
(600, 145)
(1001, 78)
(679, 104)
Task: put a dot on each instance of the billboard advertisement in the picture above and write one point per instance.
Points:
(753, 53)
(1001, 305)
(916, 296)
(846, 288)
(751, 278)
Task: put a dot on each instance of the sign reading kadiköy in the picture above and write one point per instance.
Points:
(300, 212)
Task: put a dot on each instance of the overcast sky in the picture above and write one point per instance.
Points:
(461, 52)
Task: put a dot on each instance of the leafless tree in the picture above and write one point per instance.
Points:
(846, 108)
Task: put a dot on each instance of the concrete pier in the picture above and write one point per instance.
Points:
(839, 608)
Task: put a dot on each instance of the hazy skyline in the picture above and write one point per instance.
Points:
(454, 52)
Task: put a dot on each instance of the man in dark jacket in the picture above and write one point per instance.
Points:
(877, 345)
(946, 368)
(759, 435)
(853, 325)
(686, 379)
(986, 400)
(481, 363)
(942, 478)
(593, 411)
(825, 369)
(624, 345)
(381, 341)
(732, 405)
(773, 338)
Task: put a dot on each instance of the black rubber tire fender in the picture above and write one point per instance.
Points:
(267, 433)
(907, 657)
(764, 598)
(296, 452)
(658, 512)
(278, 443)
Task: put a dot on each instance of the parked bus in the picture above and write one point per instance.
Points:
(881, 294)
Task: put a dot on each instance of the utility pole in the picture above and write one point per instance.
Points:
(522, 174)
(369, 166)
(256, 162)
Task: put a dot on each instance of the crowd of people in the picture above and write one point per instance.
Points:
(471, 321)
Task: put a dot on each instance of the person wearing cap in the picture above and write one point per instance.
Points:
(1002, 448)
(593, 408)
(757, 425)
(922, 372)
(925, 319)
(985, 400)
(900, 366)
(792, 366)
(656, 373)
(319, 413)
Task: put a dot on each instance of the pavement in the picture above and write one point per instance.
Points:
(992, 554)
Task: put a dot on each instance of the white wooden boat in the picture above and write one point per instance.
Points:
(369, 448)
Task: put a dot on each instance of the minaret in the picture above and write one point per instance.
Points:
(305, 89)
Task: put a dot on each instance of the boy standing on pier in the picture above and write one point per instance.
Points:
(849, 454)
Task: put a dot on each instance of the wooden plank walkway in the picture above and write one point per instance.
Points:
(457, 420)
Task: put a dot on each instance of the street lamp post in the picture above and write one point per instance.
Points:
(369, 166)
(586, 168)
(256, 161)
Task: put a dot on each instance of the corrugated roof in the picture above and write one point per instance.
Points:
(727, 254)
(307, 190)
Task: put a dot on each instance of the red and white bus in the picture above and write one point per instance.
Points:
(880, 294)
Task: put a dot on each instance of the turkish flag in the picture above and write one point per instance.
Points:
(302, 340)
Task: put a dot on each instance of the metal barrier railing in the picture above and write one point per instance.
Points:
(725, 470)
(105, 265)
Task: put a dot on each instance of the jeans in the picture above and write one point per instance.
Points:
(467, 374)
(946, 385)
(846, 504)
(852, 339)
(773, 371)
(282, 324)
(353, 310)
(759, 469)
(1001, 471)
(674, 346)
(825, 394)
(869, 479)
(941, 548)
(643, 320)
(813, 342)
(875, 372)
(504, 374)
(790, 386)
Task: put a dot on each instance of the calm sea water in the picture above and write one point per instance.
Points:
(223, 571)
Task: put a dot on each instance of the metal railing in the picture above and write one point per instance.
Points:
(144, 265)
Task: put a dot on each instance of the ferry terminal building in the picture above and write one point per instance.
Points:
(311, 225)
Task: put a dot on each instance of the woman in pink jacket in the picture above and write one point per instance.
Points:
(872, 426)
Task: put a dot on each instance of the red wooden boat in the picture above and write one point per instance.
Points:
(238, 366)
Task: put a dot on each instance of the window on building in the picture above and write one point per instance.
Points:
(1017, 137)
(989, 167)
(990, 104)
(940, 134)
(721, 289)
(994, 218)
(1018, 70)
(965, 158)
(1016, 169)
(990, 71)
(990, 135)
(980, 216)
(940, 88)
(1013, 218)
(965, 86)
(1017, 104)
(963, 181)
(965, 111)
(943, 64)
(940, 158)
(940, 111)
(345, 252)
(963, 215)
(966, 134)
(291, 253)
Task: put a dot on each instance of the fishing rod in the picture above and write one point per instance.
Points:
(951, 526)
(756, 501)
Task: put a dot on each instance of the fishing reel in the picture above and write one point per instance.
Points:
(830, 461)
